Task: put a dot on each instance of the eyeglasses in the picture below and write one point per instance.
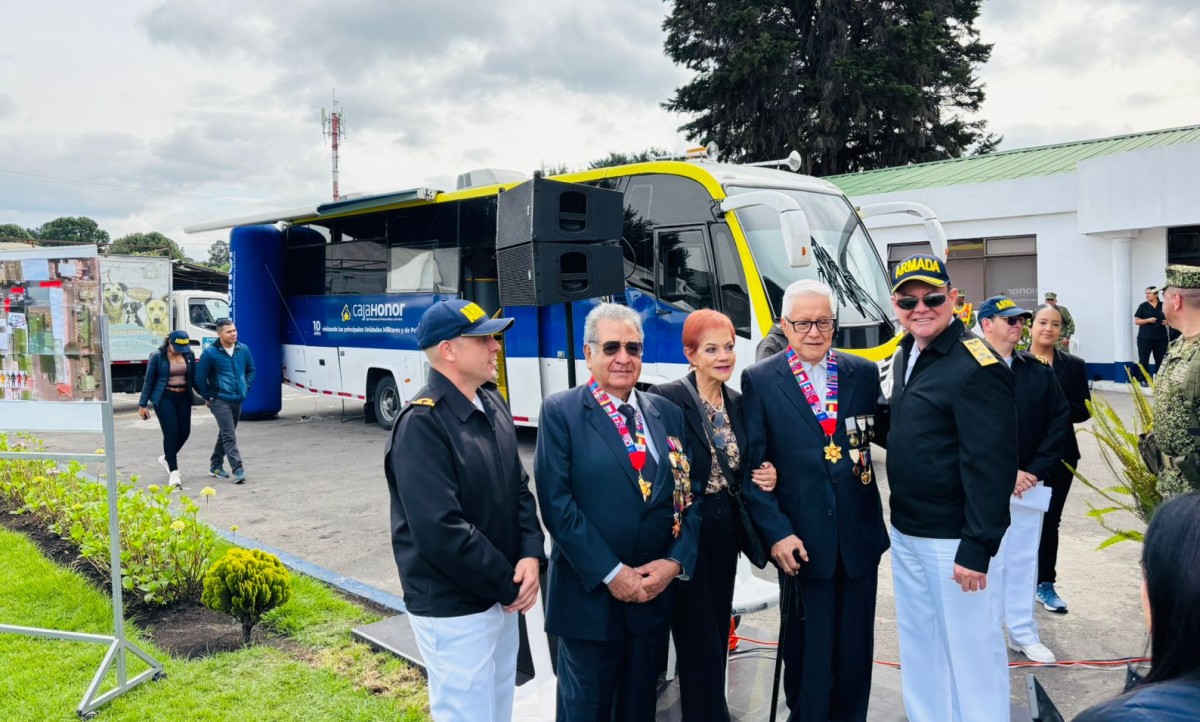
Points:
(1014, 320)
(718, 423)
(612, 348)
(931, 300)
(824, 325)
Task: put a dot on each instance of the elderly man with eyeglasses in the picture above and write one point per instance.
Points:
(952, 459)
(613, 484)
(811, 410)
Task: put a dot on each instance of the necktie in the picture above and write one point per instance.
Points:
(650, 468)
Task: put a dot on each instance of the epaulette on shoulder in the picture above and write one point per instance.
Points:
(983, 355)
(423, 401)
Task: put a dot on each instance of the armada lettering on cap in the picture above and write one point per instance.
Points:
(473, 312)
(1005, 303)
(918, 264)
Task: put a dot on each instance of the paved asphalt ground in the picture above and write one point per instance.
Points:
(315, 489)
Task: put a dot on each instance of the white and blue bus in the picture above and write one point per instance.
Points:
(333, 293)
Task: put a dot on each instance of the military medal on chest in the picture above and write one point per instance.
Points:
(681, 497)
(860, 431)
(826, 412)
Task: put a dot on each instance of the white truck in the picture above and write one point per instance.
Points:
(142, 308)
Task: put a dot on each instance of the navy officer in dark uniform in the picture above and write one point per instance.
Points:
(465, 532)
(811, 410)
(613, 480)
(952, 459)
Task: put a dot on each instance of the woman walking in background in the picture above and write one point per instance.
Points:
(170, 377)
(1072, 377)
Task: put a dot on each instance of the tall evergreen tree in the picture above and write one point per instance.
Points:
(851, 84)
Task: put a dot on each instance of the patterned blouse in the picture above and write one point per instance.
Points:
(716, 478)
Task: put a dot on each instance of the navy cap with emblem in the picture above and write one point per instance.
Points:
(457, 317)
(1001, 306)
(179, 339)
(926, 269)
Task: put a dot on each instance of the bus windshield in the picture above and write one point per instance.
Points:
(844, 259)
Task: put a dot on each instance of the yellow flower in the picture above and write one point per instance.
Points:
(154, 488)
(178, 525)
(234, 528)
(77, 507)
(208, 491)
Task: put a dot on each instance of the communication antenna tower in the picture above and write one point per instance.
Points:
(332, 128)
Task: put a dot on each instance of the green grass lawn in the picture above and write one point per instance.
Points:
(327, 677)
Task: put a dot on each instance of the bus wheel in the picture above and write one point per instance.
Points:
(387, 402)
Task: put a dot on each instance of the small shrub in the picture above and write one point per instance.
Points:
(246, 583)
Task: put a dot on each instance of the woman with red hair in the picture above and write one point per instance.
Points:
(704, 604)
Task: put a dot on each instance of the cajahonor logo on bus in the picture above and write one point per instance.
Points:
(373, 312)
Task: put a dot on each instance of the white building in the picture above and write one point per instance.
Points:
(1094, 221)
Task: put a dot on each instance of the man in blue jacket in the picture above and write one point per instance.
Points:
(223, 379)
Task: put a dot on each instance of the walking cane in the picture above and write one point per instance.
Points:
(787, 597)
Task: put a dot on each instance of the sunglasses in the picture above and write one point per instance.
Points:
(718, 423)
(612, 348)
(931, 300)
(1013, 320)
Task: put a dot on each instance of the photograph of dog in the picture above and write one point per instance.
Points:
(114, 302)
(158, 317)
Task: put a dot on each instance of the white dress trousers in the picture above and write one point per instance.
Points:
(953, 664)
(471, 663)
(1013, 572)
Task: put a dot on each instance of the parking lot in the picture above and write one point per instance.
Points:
(315, 489)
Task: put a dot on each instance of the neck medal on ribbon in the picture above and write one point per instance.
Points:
(827, 413)
(636, 449)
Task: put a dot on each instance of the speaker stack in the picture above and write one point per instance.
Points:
(558, 242)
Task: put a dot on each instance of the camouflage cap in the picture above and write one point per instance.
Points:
(1051, 296)
(1181, 277)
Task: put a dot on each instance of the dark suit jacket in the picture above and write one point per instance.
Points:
(1071, 373)
(697, 439)
(1043, 417)
(824, 504)
(594, 511)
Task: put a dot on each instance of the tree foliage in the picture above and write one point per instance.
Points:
(73, 229)
(147, 244)
(851, 84)
(218, 255)
(12, 230)
(615, 158)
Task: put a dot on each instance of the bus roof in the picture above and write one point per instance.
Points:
(714, 176)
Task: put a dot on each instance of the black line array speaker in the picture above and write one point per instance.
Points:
(545, 211)
(541, 274)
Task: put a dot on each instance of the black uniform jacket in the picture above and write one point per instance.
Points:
(697, 440)
(1071, 373)
(824, 504)
(597, 517)
(463, 514)
(1043, 417)
(952, 444)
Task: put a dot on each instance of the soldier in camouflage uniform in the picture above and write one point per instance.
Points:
(1068, 327)
(1177, 385)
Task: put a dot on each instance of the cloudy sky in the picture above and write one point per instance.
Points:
(155, 114)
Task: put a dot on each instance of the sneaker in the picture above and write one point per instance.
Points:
(1050, 599)
(1036, 652)
(162, 461)
(219, 472)
(175, 480)
(239, 476)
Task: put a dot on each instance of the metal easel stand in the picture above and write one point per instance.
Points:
(118, 646)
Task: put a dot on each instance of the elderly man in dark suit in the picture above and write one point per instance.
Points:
(812, 411)
(615, 494)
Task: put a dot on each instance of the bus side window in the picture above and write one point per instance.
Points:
(638, 239)
(687, 277)
(735, 301)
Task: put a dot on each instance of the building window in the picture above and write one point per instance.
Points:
(1183, 245)
(983, 267)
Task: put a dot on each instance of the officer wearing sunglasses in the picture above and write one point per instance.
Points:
(1044, 423)
(952, 459)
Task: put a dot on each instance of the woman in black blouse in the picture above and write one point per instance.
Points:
(1071, 373)
(1152, 329)
(703, 604)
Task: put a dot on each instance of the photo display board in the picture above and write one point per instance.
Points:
(52, 356)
